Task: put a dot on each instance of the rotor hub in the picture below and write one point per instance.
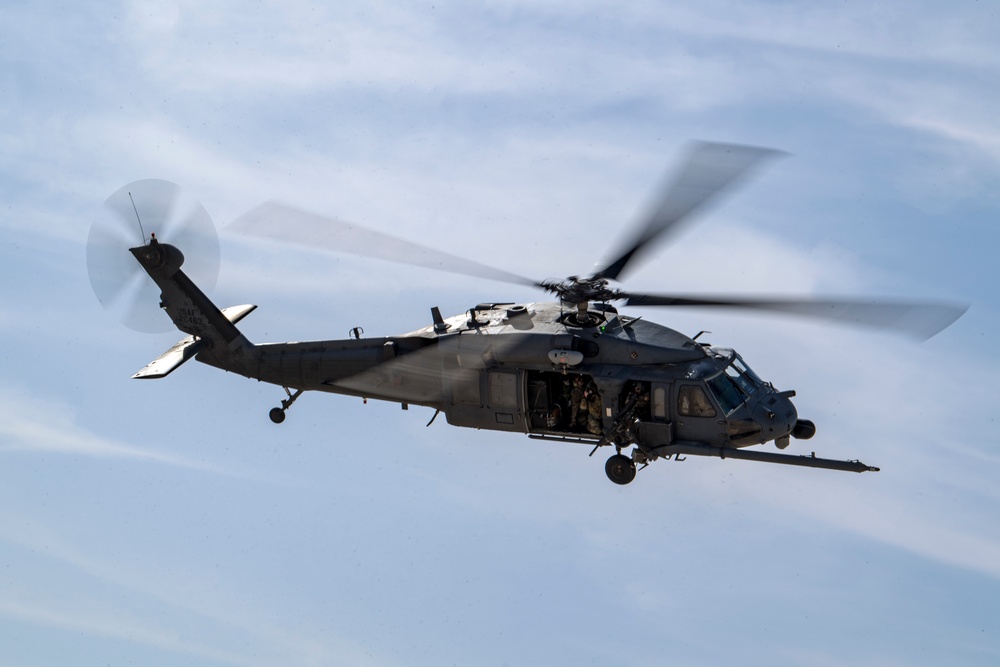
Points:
(581, 291)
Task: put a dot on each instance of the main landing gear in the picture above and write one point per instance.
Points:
(620, 469)
(277, 415)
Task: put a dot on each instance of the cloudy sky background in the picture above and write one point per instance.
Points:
(169, 522)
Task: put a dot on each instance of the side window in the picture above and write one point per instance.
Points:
(503, 390)
(659, 402)
(692, 402)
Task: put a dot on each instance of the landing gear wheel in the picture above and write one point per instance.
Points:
(620, 469)
(277, 415)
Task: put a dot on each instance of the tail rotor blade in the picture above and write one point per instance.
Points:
(108, 268)
(176, 217)
(128, 218)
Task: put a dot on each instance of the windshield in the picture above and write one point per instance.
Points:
(735, 384)
(743, 377)
(742, 366)
(727, 391)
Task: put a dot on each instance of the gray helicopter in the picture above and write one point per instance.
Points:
(575, 370)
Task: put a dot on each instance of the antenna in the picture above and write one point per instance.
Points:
(137, 217)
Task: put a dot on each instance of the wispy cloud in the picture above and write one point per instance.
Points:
(46, 425)
(152, 603)
(119, 626)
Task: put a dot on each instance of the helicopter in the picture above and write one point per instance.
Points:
(572, 370)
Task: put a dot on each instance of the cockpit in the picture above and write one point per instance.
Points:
(728, 377)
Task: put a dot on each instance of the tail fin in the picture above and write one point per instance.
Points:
(189, 308)
(185, 349)
(220, 342)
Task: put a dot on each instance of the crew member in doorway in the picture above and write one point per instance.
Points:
(578, 405)
(593, 402)
(641, 401)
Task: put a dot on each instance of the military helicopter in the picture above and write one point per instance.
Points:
(575, 370)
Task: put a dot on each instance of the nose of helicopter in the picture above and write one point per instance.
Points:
(777, 415)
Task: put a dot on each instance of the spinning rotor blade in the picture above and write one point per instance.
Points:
(118, 281)
(288, 224)
(919, 320)
(708, 171)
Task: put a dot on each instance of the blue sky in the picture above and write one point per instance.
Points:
(169, 522)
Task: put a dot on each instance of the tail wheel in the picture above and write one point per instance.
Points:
(277, 415)
(620, 469)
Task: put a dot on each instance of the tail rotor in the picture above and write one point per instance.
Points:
(128, 218)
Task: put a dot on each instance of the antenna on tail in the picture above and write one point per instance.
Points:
(137, 217)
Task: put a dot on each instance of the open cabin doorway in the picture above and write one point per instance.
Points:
(564, 403)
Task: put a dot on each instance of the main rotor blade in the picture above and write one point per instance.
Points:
(919, 320)
(280, 222)
(708, 170)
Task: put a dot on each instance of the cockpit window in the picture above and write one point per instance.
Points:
(702, 369)
(746, 370)
(742, 376)
(742, 380)
(692, 402)
(726, 390)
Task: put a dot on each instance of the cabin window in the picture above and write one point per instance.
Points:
(692, 402)
(503, 390)
(659, 402)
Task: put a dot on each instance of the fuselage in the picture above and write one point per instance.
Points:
(511, 367)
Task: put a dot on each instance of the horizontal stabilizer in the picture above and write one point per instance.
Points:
(169, 360)
(186, 348)
(236, 313)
